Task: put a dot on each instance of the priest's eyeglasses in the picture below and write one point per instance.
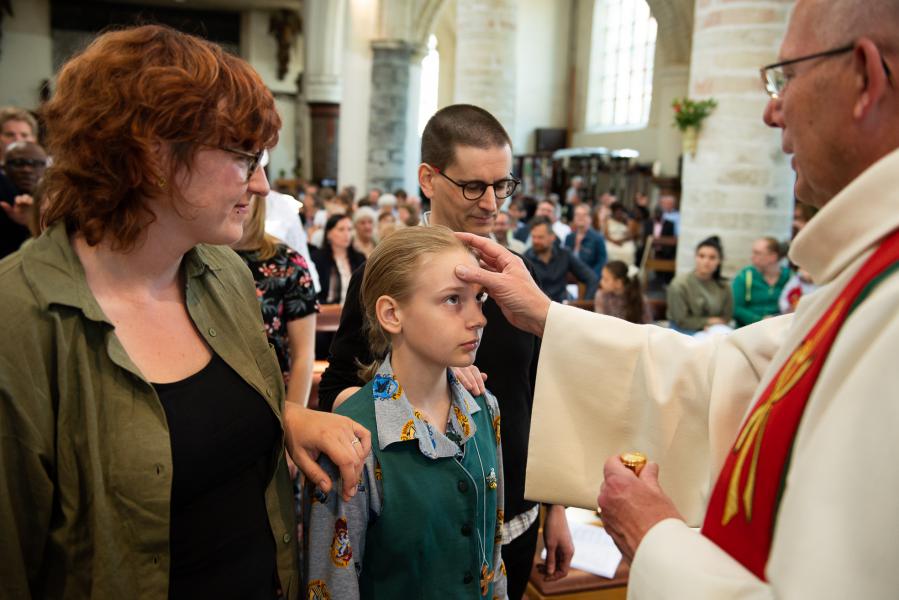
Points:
(775, 79)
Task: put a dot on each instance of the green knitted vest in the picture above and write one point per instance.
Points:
(424, 544)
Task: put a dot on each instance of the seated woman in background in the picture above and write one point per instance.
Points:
(364, 230)
(386, 225)
(141, 408)
(336, 259)
(620, 235)
(335, 262)
(284, 289)
(620, 294)
(701, 298)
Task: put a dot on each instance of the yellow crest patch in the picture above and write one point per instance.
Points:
(378, 474)
(317, 590)
(463, 421)
(341, 551)
(496, 429)
(408, 432)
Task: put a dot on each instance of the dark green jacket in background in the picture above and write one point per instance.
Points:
(85, 454)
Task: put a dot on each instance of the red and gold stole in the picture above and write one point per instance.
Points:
(743, 507)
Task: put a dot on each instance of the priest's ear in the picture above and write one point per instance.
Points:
(387, 309)
(872, 78)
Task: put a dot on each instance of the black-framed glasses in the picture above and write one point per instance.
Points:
(775, 78)
(19, 163)
(252, 159)
(475, 190)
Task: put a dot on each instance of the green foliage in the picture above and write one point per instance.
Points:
(691, 113)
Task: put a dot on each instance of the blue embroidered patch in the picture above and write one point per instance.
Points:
(385, 387)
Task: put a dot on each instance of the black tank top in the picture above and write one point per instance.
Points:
(223, 437)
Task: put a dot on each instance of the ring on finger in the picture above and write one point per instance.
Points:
(355, 441)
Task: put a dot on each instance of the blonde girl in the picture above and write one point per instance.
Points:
(426, 520)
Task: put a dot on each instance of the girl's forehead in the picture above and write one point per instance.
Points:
(443, 264)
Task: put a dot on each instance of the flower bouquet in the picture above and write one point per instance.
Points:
(688, 117)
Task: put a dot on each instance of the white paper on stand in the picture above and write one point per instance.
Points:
(594, 550)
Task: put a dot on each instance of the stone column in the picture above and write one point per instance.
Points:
(739, 184)
(485, 56)
(323, 28)
(388, 111)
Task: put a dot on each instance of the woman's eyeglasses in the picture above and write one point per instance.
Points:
(252, 159)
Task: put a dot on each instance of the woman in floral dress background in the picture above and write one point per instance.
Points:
(285, 291)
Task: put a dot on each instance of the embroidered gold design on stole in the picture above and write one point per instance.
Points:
(754, 429)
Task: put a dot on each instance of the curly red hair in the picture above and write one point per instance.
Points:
(126, 93)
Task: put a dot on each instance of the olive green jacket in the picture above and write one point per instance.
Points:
(85, 455)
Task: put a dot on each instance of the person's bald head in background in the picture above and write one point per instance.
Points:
(25, 164)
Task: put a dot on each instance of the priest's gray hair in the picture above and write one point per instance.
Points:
(845, 21)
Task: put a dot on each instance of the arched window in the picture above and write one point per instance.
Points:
(430, 77)
(621, 63)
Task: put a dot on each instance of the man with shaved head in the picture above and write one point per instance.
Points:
(24, 163)
(780, 438)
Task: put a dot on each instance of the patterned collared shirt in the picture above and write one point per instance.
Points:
(397, 421)
(400, 421)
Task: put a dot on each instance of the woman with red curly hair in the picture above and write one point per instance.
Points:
(141, 408)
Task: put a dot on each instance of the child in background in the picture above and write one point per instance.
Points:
(620, 293)
(426, 521)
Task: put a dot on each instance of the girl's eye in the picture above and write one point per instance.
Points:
(454, 299)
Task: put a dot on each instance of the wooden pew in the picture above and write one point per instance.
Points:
(327, 321)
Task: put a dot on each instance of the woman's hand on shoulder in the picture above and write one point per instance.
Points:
(309, 433)
(471, 379)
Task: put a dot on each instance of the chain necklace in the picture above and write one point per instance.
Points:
(487, 574)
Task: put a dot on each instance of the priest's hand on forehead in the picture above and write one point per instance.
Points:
(508, 282)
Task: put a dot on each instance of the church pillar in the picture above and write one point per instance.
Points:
(739, 184)
(388, 112)
(485, 57)
(322, 82)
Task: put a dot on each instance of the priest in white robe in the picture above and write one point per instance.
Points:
(605, 386)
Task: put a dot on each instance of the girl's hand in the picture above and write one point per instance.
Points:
(309, 432)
